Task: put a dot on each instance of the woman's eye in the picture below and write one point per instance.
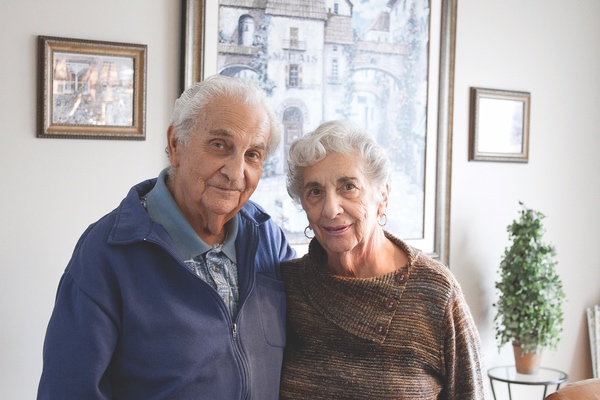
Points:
(349, 186)
(314, 192)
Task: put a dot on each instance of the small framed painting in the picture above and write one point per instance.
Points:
(499, 125)
(91, 89)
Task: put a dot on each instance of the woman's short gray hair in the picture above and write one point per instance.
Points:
(336, 137)
(193, 102)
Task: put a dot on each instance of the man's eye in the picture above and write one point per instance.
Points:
(218, 145)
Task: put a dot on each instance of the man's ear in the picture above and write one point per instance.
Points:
(173, 146)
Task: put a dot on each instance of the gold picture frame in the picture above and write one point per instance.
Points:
(201, 46)
(91, 89)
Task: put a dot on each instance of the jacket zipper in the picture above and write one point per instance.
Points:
(243, 362)
(246, 390)
(234, 328)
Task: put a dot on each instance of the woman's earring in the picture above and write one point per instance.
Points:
(305, 234)
(382, 219)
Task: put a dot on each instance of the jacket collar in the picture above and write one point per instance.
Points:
(133, 224)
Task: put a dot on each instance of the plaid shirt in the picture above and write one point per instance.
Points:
(215, 268)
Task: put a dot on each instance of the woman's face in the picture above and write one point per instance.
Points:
(340, 203)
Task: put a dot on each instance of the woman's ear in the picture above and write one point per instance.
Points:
(385, 196)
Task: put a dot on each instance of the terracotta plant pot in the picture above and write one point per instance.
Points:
(529, 363)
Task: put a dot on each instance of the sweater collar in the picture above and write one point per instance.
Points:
(363, 307)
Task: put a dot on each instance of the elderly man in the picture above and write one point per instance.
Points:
(177, 294)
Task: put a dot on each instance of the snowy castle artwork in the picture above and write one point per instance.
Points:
(318, 60)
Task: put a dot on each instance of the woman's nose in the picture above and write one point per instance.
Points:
(332, 206)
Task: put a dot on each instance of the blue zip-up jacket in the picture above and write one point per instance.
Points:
(132, 322)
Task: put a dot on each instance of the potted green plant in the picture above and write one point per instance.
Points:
(529, 308)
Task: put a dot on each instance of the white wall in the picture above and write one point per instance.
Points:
(53, 188)
(550, 48)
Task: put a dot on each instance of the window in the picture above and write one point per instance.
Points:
(293, 75)
(336, 8)
(293, 120)
(334, 69)
(246, 30)
(293, 37)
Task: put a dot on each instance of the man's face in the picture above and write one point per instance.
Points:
(219, 169)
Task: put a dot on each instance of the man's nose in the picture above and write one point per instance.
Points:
(234, 167)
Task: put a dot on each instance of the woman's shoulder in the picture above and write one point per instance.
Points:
(434, 280)
(427, 262)
(295, 265)
(294, 275)
(418, 260)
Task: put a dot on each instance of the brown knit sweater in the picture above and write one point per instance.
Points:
(405, 335)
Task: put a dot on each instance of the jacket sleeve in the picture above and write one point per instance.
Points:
(79, 344)
(462, 352)
(286, 252)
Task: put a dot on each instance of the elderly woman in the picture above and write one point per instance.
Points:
(369, 317)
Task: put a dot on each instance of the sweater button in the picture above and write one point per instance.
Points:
(380, 329)
(391, 304)
(401, 277)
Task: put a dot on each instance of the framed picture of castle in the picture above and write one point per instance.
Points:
(386, 65)
(90, 89)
